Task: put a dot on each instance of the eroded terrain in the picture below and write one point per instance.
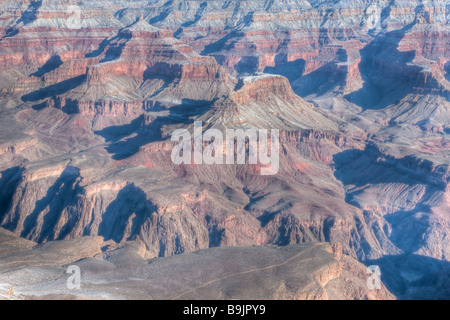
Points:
(358, 89)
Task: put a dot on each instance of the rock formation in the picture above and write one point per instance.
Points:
(90, 94)
(306, 271)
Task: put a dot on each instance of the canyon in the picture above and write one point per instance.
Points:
(91, 92)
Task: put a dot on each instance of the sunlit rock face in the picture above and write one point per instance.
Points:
(91, 92)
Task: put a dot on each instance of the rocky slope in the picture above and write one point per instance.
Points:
(308, 271)
(91, 93)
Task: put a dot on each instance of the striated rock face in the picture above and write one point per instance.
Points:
(91, 93)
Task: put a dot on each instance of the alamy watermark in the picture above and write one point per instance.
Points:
(73, 20)
(211, 147)
(74, 281)
(374, 281)
(373, 13)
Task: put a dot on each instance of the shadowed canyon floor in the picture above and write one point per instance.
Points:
(359, 91)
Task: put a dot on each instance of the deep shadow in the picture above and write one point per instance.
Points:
(248, 65)
(268, 4)
(216, 235)
(169, 74)
(115, 45)
(10, 33)
(409, 227)
(266, 214)
(292, 70)
(102, 46)
(360, 167)
(222, 44)
(52, 64)
(164, 14)
(162, 70)
(266, 217)
(115, 49)
(60, 196)
(320, 81)
(69, 106)
(115, 133)
(447, 71)
(411, 276)
(408, 276)
(386, 12)
(388, 77)
(227, 42)
(9, 181)
(28, 16)
(239, 85)
(122, 149)
(130, 201)
(54, 89)
(248, 19)
(39, 106)
(198, 15)
(226, 4)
